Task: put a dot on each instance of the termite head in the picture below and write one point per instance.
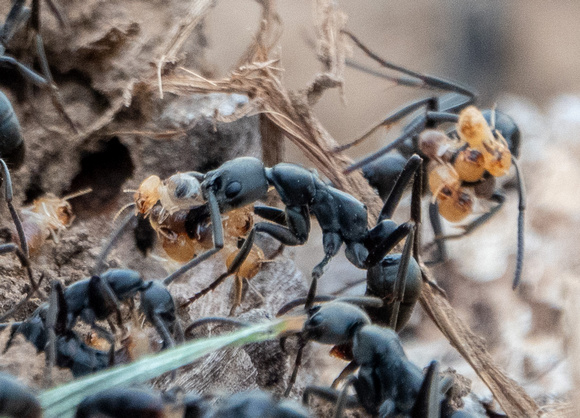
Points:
(470, 164)
(147, 195)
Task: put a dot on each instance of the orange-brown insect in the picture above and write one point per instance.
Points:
(457, 165)
(47, 217)
(180, 191)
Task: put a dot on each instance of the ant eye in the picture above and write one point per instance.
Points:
(233, 189)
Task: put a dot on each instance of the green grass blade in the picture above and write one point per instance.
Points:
(63, 400)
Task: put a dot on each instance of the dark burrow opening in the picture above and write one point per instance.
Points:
(105, 171)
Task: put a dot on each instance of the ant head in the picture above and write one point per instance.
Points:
(147, 195)
(237, 183)
(334, 323)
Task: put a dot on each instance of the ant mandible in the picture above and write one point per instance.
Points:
(459, 170)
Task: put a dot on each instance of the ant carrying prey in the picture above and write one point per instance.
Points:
(462, 164)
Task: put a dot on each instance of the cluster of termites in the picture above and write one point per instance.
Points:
(196, 215)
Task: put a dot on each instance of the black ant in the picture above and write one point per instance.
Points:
(342, 218)
(387, 384)
(17, 400)
(459, 170)
(96, 299)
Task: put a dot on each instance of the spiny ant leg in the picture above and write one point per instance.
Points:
(390, 120)
(297, 364)
(218, 241)
(113, 241)
(428, 81)
(521, 210)
(17, 15)
(8, 196)
(163, 331)
(416, 211)
(301, 301)
(380, 244)
(409, 172)
(435, 219)
(236, 264)
(213, 319)
(271, 214)
(56, 318)
(400, 281)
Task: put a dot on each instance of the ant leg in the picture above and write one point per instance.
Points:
(346, 372)
(521, 210)
(400, 282)
(8, 196)
(391, 120)
(385, 236)
(297, 364)
(56, 319)
(428, 81)
(163, 331)
(57, 101)
(180, 336)
(428, 403)
(26, 72)
(113, 241)
(271, 214)
(213, 319)
(342, 400)
(17, 15)
(435, 219)
(218, 240)
(300, 301)
(409, 172)
(236, 264)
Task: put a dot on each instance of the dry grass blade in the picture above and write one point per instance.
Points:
(181, 32)
(291, 112)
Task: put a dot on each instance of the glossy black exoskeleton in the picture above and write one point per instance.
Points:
(159, 308)
(342, 218)
(387, 383)
(123, 402)
(17, 400)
